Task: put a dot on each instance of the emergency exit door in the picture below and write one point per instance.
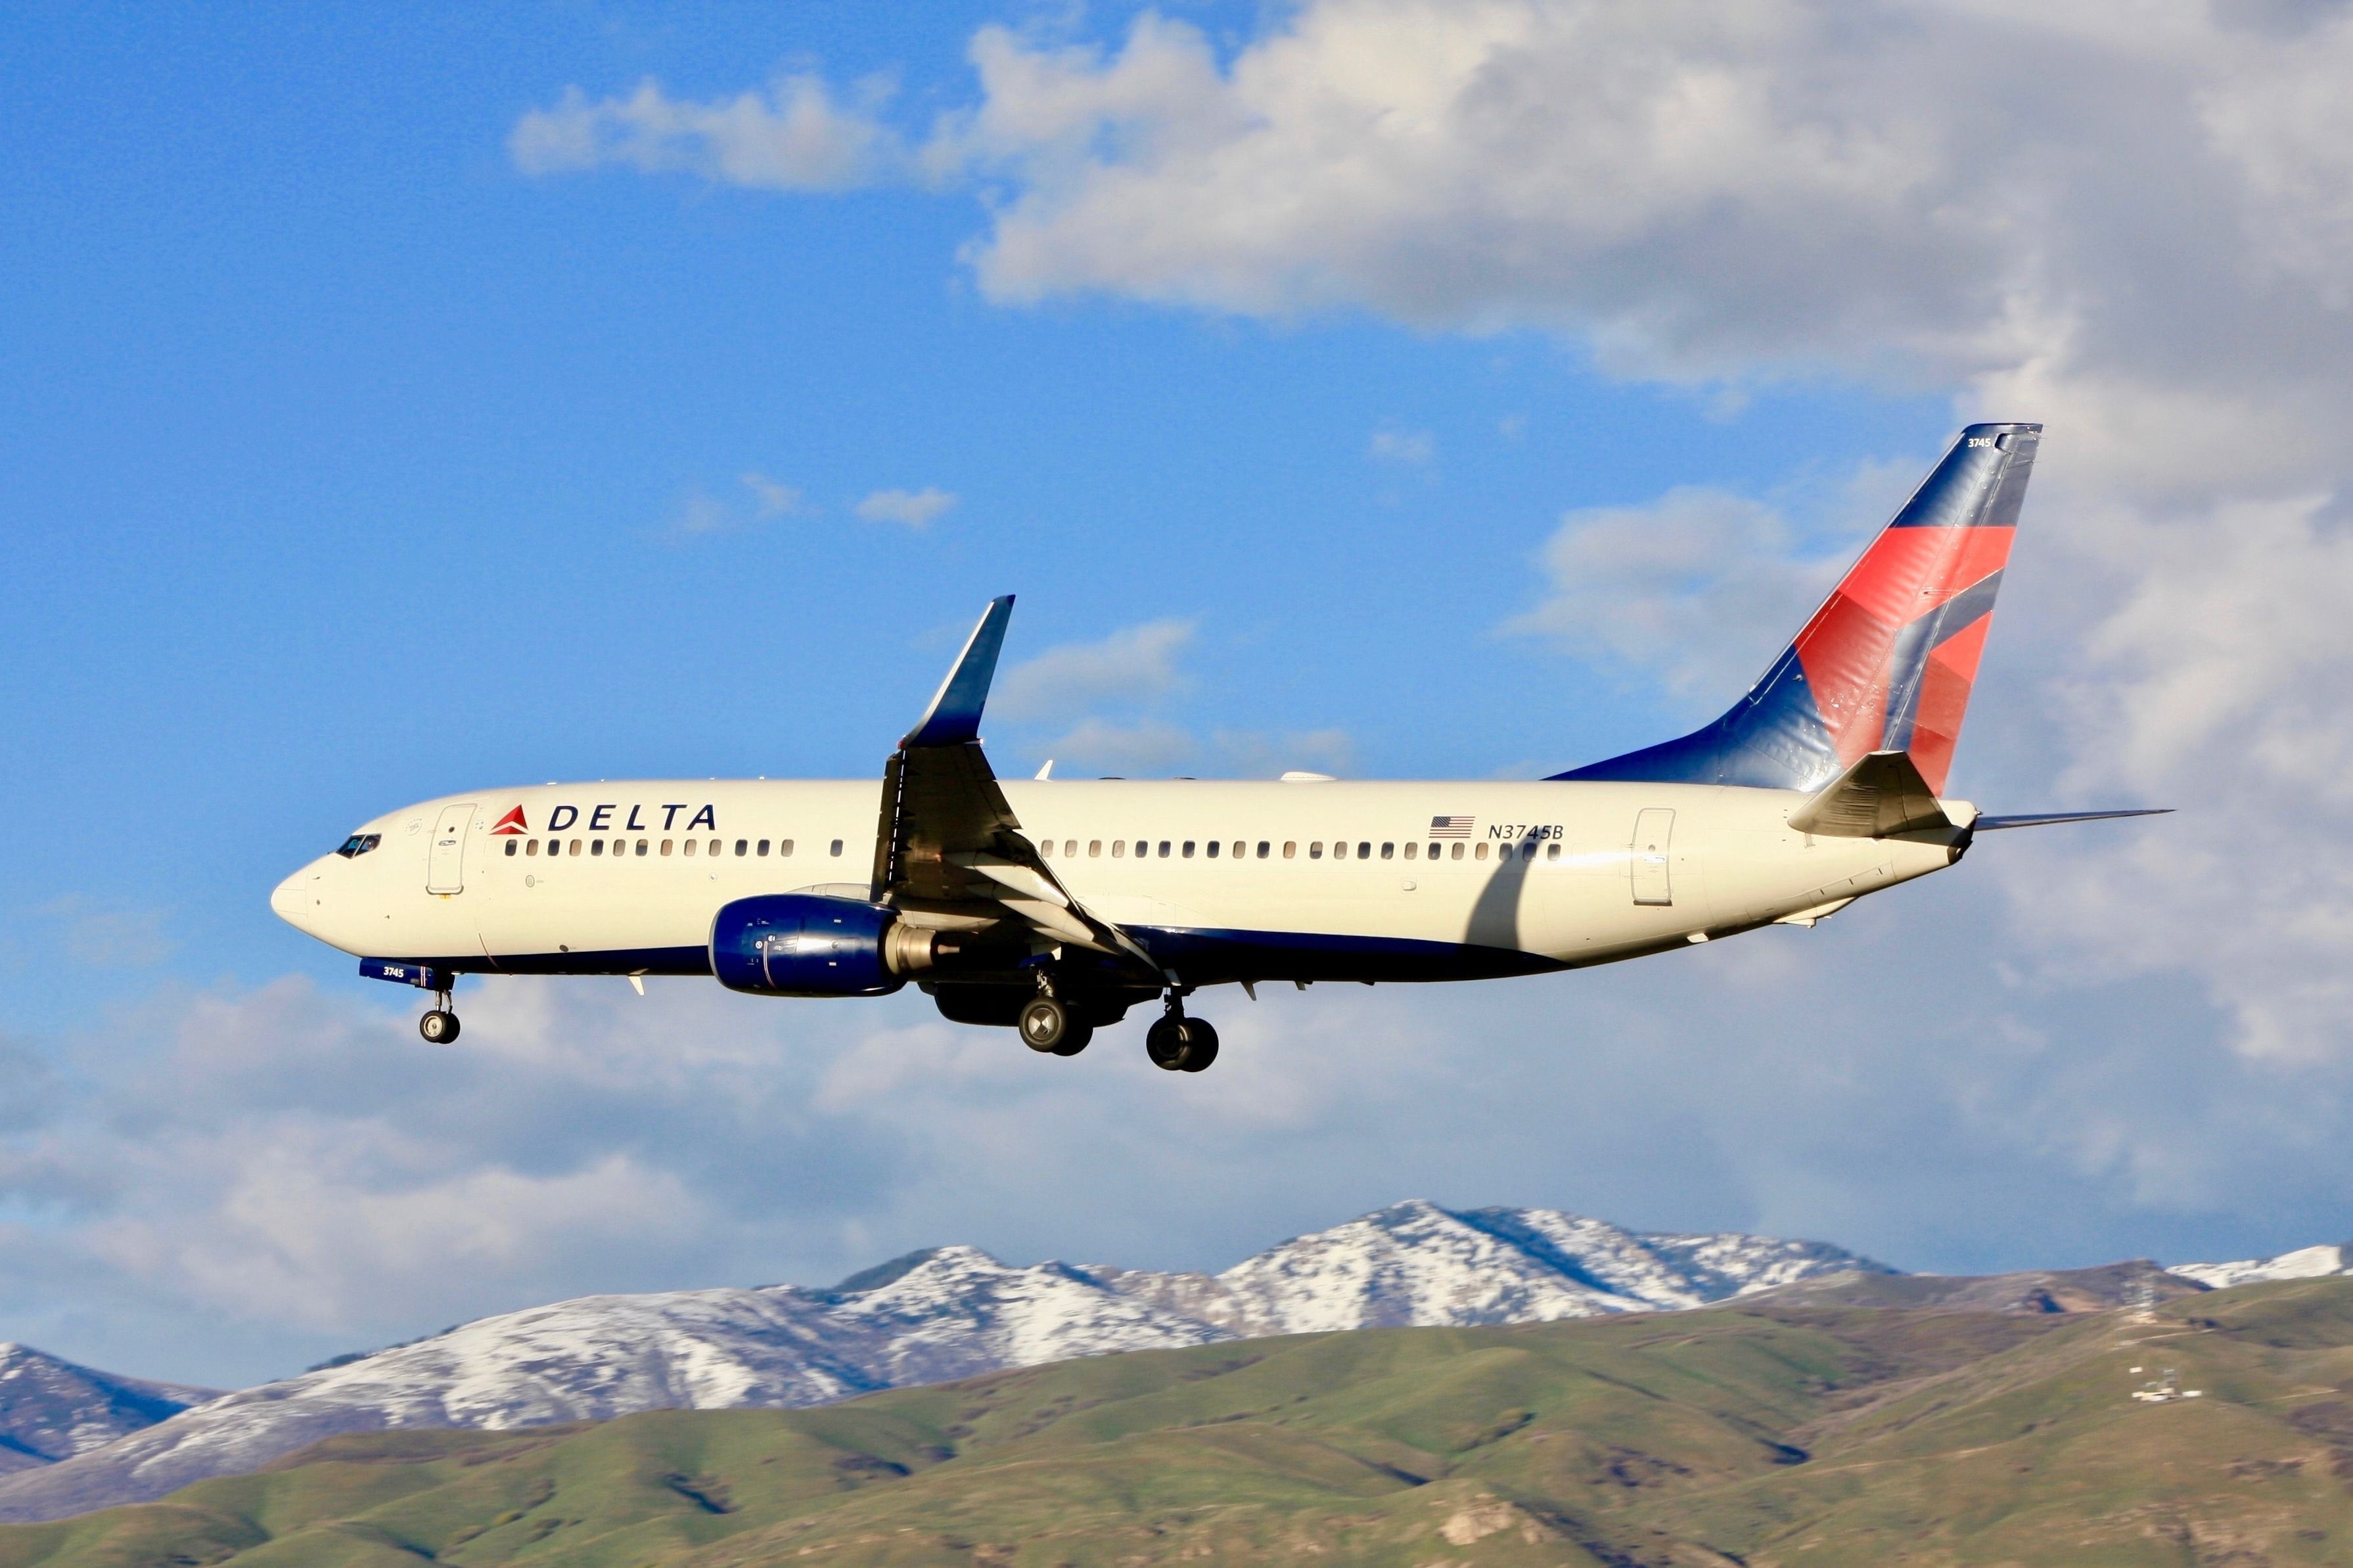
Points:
(1654, 830)
(445, 870)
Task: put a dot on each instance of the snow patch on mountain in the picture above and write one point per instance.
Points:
(52, 1409)
(2305, 1263)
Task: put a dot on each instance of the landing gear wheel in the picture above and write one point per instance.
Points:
(1046, 1024)
(439, 1026)
(1165, 1042)
(1178, 1044)
(1076, 1039)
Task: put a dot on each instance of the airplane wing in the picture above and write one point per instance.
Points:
(949, 853)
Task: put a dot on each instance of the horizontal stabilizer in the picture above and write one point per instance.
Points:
(2043, 819)
(1880, 796)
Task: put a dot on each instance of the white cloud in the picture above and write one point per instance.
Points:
(770, 498)
(795, 136)
(1134, 665)
(916, 509)
(1701, 587)
(1410, 449)
(1101, 748)
(699, 513)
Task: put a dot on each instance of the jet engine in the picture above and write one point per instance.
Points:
(803, 944)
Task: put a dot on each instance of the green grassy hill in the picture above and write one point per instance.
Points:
(1769, 1435)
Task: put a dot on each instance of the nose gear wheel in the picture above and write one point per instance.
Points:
(441, 1026)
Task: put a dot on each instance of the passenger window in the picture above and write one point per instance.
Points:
(1315, 850)
(1164, 849)
(1262, 848)
(714, 847)
(1503, 852)
(1289, 847)
(595, 847)
(1214, 846)
(576, 846)
(641, 846)
(1094, 847)
(511, 847)
(1458, 851)
(1388, 851)
(1241, 849)
(762, 849)
(785, 849)
(690, 844)
(666, 846)
(1480, 853)
(1188, 849)
(743, 848)
(1045, 848)
(837, 847)
(1552, 850)
(1339, 849)
(1118, 848)
(531, 847)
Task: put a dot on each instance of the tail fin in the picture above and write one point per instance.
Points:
(1886, 663)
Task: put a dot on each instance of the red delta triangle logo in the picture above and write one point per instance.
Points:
(511, 823)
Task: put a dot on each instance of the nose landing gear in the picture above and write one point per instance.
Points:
(1178, 1044)
(441, 1026)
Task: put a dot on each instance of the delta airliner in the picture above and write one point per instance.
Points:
(1054, 907)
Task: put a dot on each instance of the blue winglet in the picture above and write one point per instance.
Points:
(953, 716)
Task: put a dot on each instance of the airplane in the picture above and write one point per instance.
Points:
(1054, 906)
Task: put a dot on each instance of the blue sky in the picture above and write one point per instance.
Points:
(355, 455)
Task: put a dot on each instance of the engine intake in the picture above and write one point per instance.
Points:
(803, 944)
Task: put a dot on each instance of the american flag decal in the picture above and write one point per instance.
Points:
(1450, 827)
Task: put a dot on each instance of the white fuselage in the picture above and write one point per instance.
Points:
(626, 878)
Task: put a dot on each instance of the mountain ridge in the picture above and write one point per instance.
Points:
(944, 1313)
(939, 1314)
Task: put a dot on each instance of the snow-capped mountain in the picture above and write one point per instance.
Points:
(1417, 1264)
(2305, 1263)
(949, 1312)
(52, 1409)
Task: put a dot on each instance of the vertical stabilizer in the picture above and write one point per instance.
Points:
(1886, 664)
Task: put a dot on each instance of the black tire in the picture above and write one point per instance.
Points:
(1076, 1039)
(1045, 1023)
(1165, 1042)
(1201, 1045)
(437, 1027)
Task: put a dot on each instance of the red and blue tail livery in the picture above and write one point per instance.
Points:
(1885, 665)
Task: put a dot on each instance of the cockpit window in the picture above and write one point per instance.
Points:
(359, 844)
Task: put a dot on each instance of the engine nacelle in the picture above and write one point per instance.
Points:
(801, 944)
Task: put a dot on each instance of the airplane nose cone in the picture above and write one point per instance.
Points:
(295, 900)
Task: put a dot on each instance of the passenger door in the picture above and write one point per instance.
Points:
(1654, 830)
(445, 870)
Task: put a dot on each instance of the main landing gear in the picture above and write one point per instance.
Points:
(1049, 1026)
(441, 1026)
(1178, 1044)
